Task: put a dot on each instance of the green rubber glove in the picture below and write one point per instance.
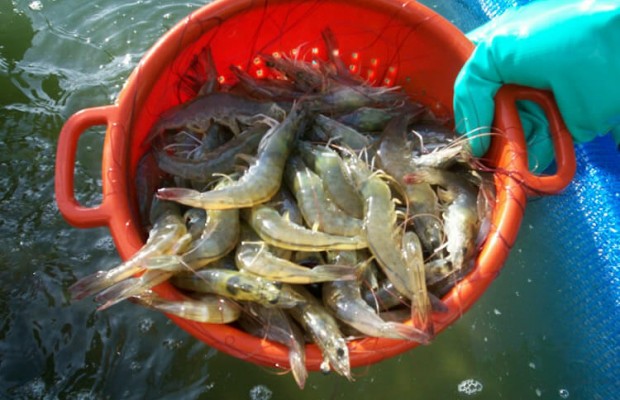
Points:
(569, 47)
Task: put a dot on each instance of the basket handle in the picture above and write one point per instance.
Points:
(508, 122)
(74, 212)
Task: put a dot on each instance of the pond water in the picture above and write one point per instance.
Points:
(546, 328)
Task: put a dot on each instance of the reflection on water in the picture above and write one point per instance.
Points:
(57, 57)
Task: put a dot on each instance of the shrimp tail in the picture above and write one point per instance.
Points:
(89, 285)
(422, 322)
(117, 293)
(409, 332)
(130, 287)
(180, 195)
(297, 359)
(97, 282)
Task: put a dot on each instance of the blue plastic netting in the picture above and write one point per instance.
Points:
(583, 227)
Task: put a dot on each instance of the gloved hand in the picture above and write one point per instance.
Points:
(569, 47)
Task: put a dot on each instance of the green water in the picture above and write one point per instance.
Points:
(57, 57)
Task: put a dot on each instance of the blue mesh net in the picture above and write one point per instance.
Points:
(583, 227)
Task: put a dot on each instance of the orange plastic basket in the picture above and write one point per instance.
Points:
(388, 42)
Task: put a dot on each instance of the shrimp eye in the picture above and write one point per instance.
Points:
(340, 352)
(232, 285)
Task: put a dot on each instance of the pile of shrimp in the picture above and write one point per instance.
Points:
(306, 206)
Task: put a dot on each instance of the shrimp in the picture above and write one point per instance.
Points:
(345, 301)
(218, 161)
(445, 156)
(167, 234)
(266, 88)
(420, 302)
(485, 206)
(341, 98)
(382, 232)
(195, 219)
(367, 119)
(216, 136)
(336, 68)
(342, 133)
(460, 217)
(259, 183)
(363, 261)
(223, 108)
(280, 232)
(286, 204)
(330, 168)
(255, 258)
(201, 76)
(219, 236)
(431, 134)
(207, 308)
(384, 296)
(304, 77)
(276, 325)
(239, 286)
(325, 332)
(318, 211)
(394, 157)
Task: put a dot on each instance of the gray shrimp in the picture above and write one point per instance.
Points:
(259, 183)
(345, 301)
(220, 107)
(278, 231)
(382, 231)
(208, 308)
(167, 235)
(394, 157)
(324, 330)
(330, 167)
(318, 211)
(220, 160)
(276, 325)
(237, 285)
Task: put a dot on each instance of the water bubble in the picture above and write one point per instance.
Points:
(145, 325)
(470, 387)
(564, 393)
(538, 392)
(260, 392)
(104, 243)
(172, 344)
(35, 6)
